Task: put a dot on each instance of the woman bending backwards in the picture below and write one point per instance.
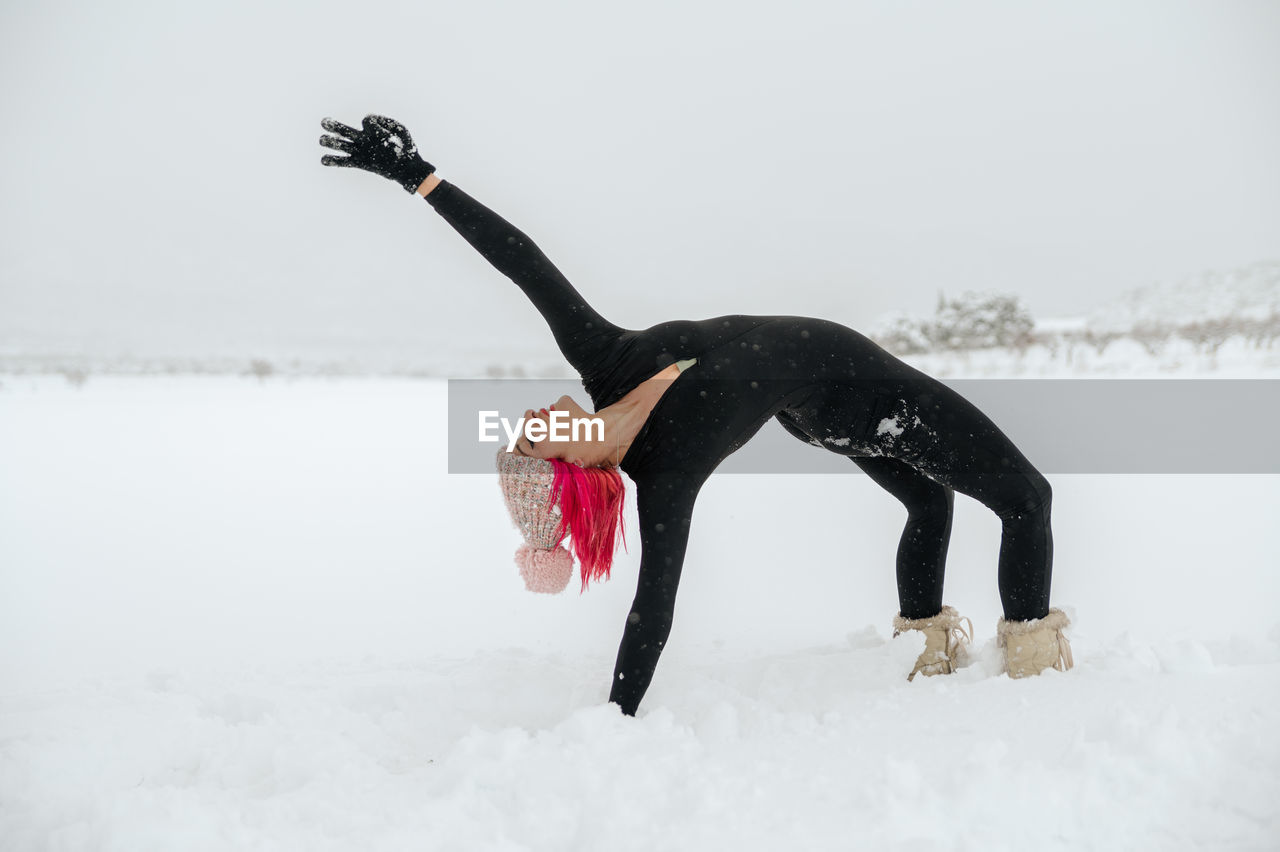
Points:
(676, 399)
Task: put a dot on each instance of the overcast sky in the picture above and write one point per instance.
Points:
(163, 194)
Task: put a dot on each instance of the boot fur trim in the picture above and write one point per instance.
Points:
(1036, 644)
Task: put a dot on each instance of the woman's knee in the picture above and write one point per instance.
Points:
(1042, 492)
(1034, 497)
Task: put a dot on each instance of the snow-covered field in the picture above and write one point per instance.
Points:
(259, 615)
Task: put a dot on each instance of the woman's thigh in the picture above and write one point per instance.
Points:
(940, 433)
(921, 422)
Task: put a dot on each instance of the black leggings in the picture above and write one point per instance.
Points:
(826, 384)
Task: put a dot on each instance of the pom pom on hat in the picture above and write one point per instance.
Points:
(545, 571)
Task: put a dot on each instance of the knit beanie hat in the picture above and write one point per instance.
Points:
(545, 564)
(549, 499)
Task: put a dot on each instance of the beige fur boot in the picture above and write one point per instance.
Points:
(944, 639)
(1032, 646)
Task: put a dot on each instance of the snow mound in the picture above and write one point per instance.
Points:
(1141, 746)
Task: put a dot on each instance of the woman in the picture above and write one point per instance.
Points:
(826, 384)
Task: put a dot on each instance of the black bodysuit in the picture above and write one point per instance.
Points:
(826, 384)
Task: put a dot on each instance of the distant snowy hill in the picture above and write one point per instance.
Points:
(1249, 293)
(1222, 323)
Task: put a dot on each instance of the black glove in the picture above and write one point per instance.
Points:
(383, 147)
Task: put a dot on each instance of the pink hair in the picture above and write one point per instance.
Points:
(590, 514)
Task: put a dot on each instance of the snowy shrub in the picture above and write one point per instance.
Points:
(979, 321)
(1262, 332)
(1100, 340)
(971, 321)
(75, 376)
(504, 371)
(261, 369)
(1151, 336)
(904, 334)
(1209, 335)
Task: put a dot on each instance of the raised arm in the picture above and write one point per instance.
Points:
(383, 146)
(581, 333)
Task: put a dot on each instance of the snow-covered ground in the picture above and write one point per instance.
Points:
(242, 614)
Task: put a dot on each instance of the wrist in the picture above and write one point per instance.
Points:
(424, 188)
